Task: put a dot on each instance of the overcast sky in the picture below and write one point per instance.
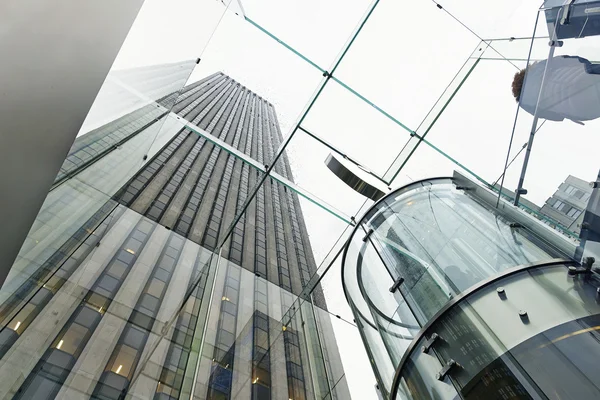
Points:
(403, 60)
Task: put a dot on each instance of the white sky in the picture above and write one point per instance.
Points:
(405, 57)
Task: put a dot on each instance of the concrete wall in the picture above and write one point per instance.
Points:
(55, 56)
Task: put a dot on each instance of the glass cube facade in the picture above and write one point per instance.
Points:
(193, 240)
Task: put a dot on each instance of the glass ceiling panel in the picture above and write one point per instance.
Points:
(262, 65)
(315, 29)
(307, 159)
(401, 67)
(476, 126)
(491, 20)
(439, 107)
(355, 128)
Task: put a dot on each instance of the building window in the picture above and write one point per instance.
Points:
(559, 205)
(574, 213)
(73, 338)
(123, 361)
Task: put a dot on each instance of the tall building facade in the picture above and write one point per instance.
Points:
(567, 205)
(118, 291)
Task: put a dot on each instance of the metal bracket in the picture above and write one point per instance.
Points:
(564, 20)
(367, 235)
(429, 342)
(446, 370)
(573, 270)
(396, 284)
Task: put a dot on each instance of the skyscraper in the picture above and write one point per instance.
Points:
(117, 291)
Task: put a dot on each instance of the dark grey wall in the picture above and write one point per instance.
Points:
(55, 54)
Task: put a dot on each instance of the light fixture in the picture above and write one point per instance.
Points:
(255, 380)
(225, 298)
(283, 328)
(130, 251)
(17, 325)
(119, 369)
(227, 366)
(60, 344)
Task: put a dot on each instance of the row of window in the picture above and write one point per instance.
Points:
(55, 365)
(295, 375)
(132, 190)
(184, 223)
(280, 242)
(188, 103)
(173, 370)
(260, 260)
(305, 270)
(104, 139)
(51, 276)
(281, 250)
(223, 104)
(565, 208)
(577, 193)
(210, 239)
(260, 253)
(150, 171)
(167, 192)
(274, 142)
(211, 101)
(237, 235)
(194, 201)
(261, 360)
(114, 382)
(219, 384)
(213, 227)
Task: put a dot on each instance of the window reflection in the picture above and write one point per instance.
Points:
(124, 360)
(72, 339)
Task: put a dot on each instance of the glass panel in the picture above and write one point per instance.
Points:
(562, 106)
(354, 128)
(117, 137)
(512, 18)
(410, 66)
(501, 350)
(319, 44)
(262, 65)
(461, 247)
(435, 112)
(495, 108)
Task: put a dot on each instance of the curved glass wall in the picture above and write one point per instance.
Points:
(531, 335)
(421, 247)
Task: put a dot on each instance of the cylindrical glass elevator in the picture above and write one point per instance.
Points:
(456, 296)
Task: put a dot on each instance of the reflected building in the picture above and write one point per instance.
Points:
(567, 205)
(121, 289)
(457, 296)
